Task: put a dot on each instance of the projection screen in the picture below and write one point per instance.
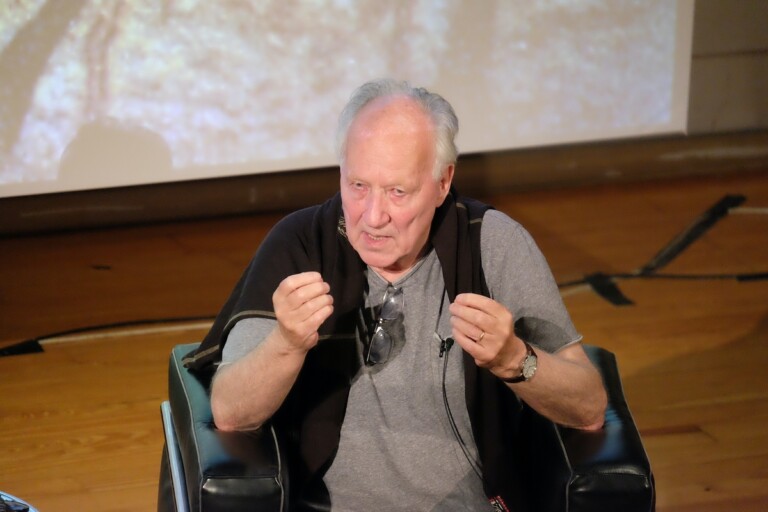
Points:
(110, 93)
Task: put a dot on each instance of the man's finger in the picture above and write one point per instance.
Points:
(475, 301)
(475, 351)
(299, 288)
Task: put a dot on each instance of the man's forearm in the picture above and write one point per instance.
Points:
(566, 389)
(247, 393)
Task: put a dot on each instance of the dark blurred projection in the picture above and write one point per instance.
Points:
(231, 88)
(105, 147)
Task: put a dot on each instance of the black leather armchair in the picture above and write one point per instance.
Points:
(562, 469)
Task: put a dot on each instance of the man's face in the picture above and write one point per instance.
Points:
(388, 191)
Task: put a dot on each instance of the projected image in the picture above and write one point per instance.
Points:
(120, 92)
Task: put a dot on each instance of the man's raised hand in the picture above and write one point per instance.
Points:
(302, 303)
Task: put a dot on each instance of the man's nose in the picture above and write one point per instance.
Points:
(376, 211)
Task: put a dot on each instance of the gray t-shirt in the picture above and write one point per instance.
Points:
(398, 450)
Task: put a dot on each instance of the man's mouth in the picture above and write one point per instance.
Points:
(376, 238)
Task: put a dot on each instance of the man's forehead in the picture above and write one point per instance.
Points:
(392, 113)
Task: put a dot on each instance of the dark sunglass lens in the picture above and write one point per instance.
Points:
(393, 304)
(381, 344)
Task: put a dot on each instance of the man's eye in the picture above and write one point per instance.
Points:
(398, 192)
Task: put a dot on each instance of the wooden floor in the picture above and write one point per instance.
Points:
(80, 425)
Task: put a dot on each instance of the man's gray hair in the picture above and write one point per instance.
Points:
(444, 119)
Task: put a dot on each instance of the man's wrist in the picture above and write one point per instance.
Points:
(527, 367)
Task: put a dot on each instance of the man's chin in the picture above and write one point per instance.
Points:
(376, 261)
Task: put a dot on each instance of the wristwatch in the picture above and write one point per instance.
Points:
(528, 368)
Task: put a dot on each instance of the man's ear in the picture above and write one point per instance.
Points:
(445, 182)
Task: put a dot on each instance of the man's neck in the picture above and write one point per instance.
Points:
(393, 276)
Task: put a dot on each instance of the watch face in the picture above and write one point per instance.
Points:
(529, 367)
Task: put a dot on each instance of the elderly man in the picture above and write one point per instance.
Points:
(341, 330)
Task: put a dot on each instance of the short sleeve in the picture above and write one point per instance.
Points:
(519, 277)
(246, 336)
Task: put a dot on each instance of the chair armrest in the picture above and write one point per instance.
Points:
(172, 491)
(573, 470)
(223, 471)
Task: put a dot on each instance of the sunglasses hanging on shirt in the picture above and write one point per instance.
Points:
(381, 343)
